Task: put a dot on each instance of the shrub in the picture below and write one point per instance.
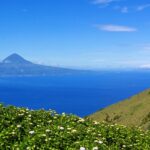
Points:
(23, 129)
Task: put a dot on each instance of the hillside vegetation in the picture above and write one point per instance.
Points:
(23, 129)
(134, 111)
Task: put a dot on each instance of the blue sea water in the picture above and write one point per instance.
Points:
(77, 94)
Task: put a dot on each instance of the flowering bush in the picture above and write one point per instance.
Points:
(23, 129)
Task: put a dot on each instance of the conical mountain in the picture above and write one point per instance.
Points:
(16, 65)
(15, 59)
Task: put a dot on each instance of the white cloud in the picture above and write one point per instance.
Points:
(145, 66)
(144, 47)
(147, 47)
(142, 7)
(116, 28)
(124, 9)
(103, 2)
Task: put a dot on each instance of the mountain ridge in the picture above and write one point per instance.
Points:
(130, 112)
(15, 59)
(16, 65)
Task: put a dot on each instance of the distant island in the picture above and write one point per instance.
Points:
(16, 65)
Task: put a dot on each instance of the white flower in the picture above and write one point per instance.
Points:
(55, 117)
(123, 145)
(73, 131)
(44, 135)
(22, 110)
(68, 128)
(31, 132)
(46, 140)
(82, 148)
(49, 121)
(61, 128)
(95, 141)
(63, 114)
(13, 133)
(18, 126)
(95, 148)
(20, 114)
(47, 130)
(95, 122)
(100, 142)
(81, 120)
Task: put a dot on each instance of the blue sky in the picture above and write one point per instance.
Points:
(77, 33)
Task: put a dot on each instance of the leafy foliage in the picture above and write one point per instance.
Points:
(23, 129)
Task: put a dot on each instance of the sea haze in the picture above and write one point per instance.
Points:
(77, 94)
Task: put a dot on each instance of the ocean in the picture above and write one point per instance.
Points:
(81, 94)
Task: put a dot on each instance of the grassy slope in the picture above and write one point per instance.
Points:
(134, 111)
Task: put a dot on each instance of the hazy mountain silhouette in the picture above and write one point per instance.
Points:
(16, 65)
(15, 59)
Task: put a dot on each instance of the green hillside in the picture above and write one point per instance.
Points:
(23, 129)
(134, 111)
